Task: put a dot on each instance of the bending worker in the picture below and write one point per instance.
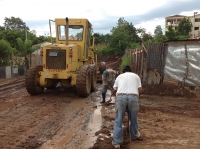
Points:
(108, 80)
(128, 86)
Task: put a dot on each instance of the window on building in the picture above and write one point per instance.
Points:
(197, 19)
(196, 28)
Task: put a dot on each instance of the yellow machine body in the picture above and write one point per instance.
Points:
(62, 59)
(70, 59)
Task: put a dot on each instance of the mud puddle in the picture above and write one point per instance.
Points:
(96, 120)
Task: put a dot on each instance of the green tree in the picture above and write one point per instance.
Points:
(158, 35)
(100, 38)
(28, 47)
(182, 33)
(5, 48)
(5, 52)
(11, 36)
(97, 38)
(32, 36)
(43, 39)
(25, 47)
(2, 28)
(170, 34)
(143, 34)
(107, 38)
(15, 24)
(14, 31)
(122, 36)
(184, 27)
(158, 31)
(147, 37)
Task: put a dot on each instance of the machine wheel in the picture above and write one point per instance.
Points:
(94, 77)
(32, 80)
(102, 67)
(83, 81)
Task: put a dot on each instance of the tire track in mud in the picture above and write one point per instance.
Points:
(77, 135)
(55, 119)
(30, 121)
(9, 84)
(17, 124)
(14, 88)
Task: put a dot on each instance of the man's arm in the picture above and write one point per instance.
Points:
(112, 90)
(139, 91)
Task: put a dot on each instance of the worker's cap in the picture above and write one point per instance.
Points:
(105, 74)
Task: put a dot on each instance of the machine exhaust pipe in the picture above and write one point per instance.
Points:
(66, 30)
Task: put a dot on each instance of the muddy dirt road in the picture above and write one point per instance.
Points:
(59, 119)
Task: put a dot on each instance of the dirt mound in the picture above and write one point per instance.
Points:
(162, 90)
(112, 61)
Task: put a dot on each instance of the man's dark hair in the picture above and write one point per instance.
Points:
(126, 69)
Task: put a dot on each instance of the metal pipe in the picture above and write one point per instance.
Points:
(50, 30)
(66, 30)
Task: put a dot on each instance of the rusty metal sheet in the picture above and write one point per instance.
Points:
(167, 81)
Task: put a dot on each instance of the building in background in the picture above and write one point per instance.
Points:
(175, 20)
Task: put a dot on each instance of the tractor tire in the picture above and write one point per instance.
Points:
(94, 77)
(83, 81)
(102, 67)
(32, 80)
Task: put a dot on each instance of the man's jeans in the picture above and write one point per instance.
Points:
(122, 102)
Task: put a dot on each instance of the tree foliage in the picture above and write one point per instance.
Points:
(123, 35)
(15, 24)
(182, 33)
(184, 27)
(158, 31)
(25, 47)
(17, 40)
(100, 38)
(5, 52)
(158, 35)
(170, 34)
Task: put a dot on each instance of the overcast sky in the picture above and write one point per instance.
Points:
(103, 14)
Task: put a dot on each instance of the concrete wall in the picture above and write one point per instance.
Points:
(12, 71)
(8, 72)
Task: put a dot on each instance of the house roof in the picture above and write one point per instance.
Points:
(182, 40)
(176, 16)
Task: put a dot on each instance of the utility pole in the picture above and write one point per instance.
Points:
(194, 25)
(26, 35)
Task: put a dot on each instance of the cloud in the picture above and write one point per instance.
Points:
(151, 18)
(102, 14)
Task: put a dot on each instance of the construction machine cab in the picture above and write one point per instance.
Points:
(74, 31)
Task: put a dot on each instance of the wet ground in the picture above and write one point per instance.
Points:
(59, 119)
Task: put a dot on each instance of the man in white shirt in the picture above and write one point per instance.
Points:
(128, 86)
(108, 80)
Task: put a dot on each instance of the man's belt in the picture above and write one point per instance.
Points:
(127, 94)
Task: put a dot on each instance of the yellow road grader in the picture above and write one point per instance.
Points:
(71, 59)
